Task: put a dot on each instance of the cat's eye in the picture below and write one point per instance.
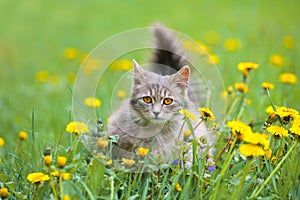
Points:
(147, 99)
(168, 101)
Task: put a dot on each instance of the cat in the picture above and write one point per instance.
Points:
(150, 118)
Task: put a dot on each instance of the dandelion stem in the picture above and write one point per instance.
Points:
(233, 105)
(36, 190)
(60, 184)
(257, 191)
(237, 193)
(224, 168)
(53, 186)
(223, 150)
(112, 183)
(198, 124)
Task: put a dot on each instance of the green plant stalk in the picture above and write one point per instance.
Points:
(36, 190)
(60, 184)
(135, 178)
(257, 191)
(225, 167)
(233, 105)
(112, 182)
(236, 194)
(198, 124)
(74, 151)
(163, 184)
(52, 185)
(33, 138)
(223, 150)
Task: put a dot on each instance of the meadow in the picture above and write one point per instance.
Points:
(254, 45)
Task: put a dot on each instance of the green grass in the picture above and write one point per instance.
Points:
(34, 36)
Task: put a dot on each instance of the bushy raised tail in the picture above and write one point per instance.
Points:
(168, 56)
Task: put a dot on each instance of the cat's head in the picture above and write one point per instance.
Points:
(156, 98)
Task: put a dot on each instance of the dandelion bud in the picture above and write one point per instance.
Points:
(4, 193)
(47, 151)
(61, 161)
(22, 135)
(143, 152)
(187, 133)
(128, 162)
(47, 160)
(102, 143)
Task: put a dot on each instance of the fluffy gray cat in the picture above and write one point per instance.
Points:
(151, 118)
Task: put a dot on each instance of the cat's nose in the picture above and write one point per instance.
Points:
(156, 113)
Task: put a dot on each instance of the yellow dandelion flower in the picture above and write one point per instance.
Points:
(230, 90)
(278, 131)
(2, 141)
(125, 65)
(206, 114)
(213, 59)
(232, 44)
(66, 197)
(64, 175)
(188, 114)
(92, 102)
(121, 94)
(270, 109)
(238, 127)
(42, 76)
(4, 193)
(246, 67)
(71, 53)
(61, 161)
(55, 173)
(187, 133)
(257, 138)
(242, 87)
(47, 160)
(268, 154)
(143, 152)
(288, 42)
(101, 156)
(128, 162)
(77, 128)
(178, 187)
(288, 78)
(295, 128)
(266, 85)
(251, 150)
(102, 143)
(109, 162)
(276, 60)
(23, 135)
(91, 65)
(286, 114)
(37, 177)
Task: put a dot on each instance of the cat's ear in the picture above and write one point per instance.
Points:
(139, 76)
(181, 78)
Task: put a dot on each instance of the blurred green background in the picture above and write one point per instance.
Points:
(34, 35)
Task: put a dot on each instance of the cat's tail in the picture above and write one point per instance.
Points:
(168, 56)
